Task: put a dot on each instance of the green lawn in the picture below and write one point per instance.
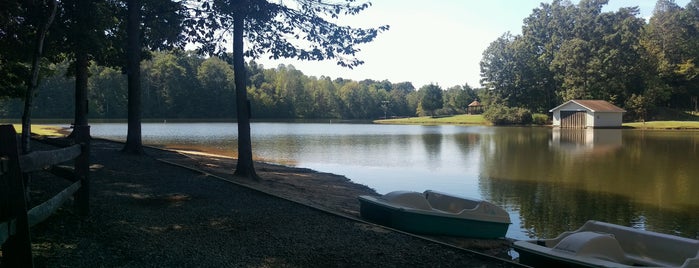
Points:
(664, 125)
(41, 130)
(464, 119)
(479, 120)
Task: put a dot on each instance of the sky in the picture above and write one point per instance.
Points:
(434, 42)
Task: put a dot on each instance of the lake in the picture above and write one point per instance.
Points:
(549, 180)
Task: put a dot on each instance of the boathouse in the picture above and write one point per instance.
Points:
(587, 114)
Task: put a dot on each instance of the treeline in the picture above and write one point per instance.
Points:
(182, 84)
(569, 51)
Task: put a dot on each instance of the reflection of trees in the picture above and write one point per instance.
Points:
(467, 142)
(654, 169)
(519, 152)
(547, 209)
(433, 145)
(649, 182)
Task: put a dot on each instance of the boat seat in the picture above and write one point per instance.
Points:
(594, 245)
(649, 248)
(408, 199)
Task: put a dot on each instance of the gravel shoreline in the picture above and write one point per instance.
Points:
(148, 213)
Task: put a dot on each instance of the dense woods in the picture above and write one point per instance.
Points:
(182, 84)
(571, 51)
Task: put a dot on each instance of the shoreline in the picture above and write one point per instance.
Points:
(326, 191)
(120, 174)
(148, 210)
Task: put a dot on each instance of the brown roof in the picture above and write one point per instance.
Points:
(595, 106)
(474, 103)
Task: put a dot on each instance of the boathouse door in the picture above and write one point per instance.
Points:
(573, 119)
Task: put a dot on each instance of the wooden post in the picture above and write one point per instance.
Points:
(17, 250)
(82, 169)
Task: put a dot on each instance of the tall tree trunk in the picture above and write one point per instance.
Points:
(134, 144)
(81, 65)
(82, 62)
(34, 78)
(245, 167)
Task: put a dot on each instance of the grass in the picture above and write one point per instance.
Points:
(479, 120)
(664, 125)
(464, 119)
(42, 130)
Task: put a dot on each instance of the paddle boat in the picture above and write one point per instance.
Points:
(601, 244)
(436, 213)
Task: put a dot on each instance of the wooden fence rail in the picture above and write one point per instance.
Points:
(15, 218)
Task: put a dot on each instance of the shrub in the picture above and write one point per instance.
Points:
(503, 115)
(541, 119)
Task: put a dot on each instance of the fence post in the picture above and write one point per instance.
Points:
(17, 250)
(82, 169)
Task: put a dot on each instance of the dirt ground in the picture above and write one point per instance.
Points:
(174, 208)
(327, 191)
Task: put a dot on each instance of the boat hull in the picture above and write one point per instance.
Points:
(415, 222)
(601, 244)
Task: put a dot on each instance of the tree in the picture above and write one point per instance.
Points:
(216, 78)
(15, 39)
(498, 72)
(671, 37)
(567, 52)
(430, 99)
(161, 24)
(42, 14)
(457, 99)
(82, 37)
(267, 25)
(134, 144)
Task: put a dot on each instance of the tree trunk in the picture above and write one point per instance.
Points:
(134, 144)
(82, 62)
(34, 78)
(245, 167)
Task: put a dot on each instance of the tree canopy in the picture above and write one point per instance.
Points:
(184, 85)
(571, 51)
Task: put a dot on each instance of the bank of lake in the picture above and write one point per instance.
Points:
(468, 119)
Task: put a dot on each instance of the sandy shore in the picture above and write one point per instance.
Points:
(170, 209)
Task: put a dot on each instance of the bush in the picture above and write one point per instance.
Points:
(503, 115)
(541, 119)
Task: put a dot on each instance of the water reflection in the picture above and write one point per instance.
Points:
(586, 141)
(557, 183)
(433, 148)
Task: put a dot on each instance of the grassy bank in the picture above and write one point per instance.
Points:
(464, 119)
(479, 120)
(41, 130)
(664, 125)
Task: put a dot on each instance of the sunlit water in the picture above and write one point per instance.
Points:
(549, 180)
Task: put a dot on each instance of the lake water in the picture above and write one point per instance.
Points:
(549, 180)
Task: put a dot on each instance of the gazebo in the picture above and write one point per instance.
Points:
(475, 107)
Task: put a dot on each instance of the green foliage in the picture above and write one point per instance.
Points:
(430, 99)
(541, 119)
(637, 107)
(185, 85)
(304, 30)
(503, 115)
(576, 51)
(20, 25)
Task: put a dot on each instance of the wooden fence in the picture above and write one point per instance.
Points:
(15, 218)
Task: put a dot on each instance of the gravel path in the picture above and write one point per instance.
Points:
(146, 213)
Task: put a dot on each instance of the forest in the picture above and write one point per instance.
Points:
(566, 51)
(570, 51)
(184, 85)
